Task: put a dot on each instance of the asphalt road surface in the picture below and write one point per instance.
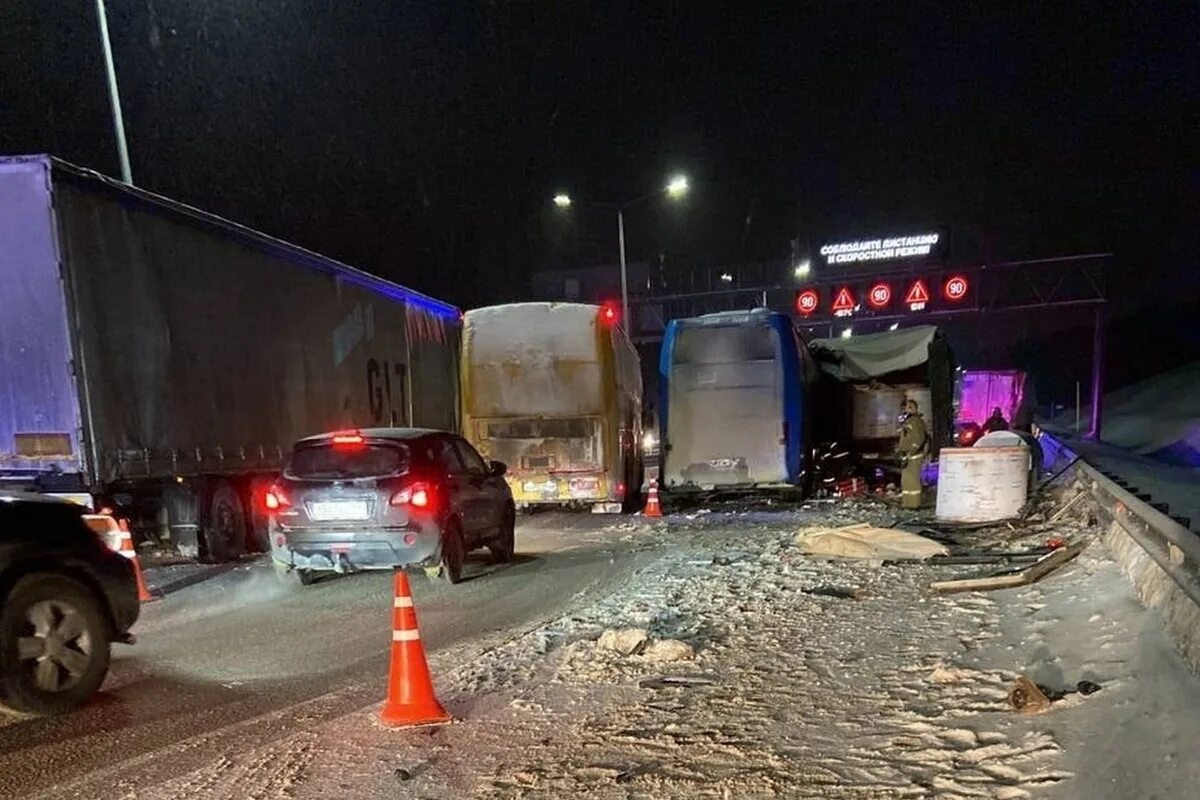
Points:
(236, 657)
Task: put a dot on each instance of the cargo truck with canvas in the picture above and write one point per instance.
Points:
(554, 390)
(866, 378)
(161, 361)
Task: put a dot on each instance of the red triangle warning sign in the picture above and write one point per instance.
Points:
(844, 300)
(917, 293)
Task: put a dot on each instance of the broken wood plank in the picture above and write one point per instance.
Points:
(1067, 507)
(1053, 561)
(1035, 572)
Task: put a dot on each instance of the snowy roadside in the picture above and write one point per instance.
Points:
(790, 694)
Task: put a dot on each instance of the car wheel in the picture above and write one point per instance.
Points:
(505, 545)
(225, 533)
(289, 576)
(54, 645)
(453, 553)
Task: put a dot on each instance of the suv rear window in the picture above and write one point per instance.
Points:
(338, 463)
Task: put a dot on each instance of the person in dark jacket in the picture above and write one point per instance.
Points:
(996, 422)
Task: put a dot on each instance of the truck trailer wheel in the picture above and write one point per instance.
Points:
(225, 531)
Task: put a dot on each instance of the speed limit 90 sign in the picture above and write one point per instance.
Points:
(956, 287)
(807, 301)
(880, 295)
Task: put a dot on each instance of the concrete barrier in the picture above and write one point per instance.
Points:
(1160, 556)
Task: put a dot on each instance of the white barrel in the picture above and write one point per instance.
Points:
(1000, 439)
(982, 485)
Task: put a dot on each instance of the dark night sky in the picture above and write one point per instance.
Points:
(422, 140)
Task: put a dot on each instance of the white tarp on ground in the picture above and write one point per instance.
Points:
(874, 354)
(1158, 417)
(866, 541)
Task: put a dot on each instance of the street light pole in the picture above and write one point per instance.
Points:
(625, 321)
(676, 188)
(114, 96)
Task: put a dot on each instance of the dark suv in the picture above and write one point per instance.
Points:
(385, 498)
(66, 597)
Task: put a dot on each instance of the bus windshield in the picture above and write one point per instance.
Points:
(724, 345)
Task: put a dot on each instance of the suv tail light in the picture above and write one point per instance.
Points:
(418, 495)
(274, 499)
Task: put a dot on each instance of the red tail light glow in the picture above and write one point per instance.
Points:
(608, 313)
(347, 440)
(275, 499)
(418, 496)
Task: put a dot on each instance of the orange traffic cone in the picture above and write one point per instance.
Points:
(410, 699)
(129, 552)
(653, 509)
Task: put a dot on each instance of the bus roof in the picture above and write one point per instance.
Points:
(755, 316)
(531, 333)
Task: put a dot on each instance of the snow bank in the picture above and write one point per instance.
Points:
(1159, 417)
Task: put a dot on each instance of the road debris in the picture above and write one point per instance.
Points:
(633, 772)
(841, 592)
(666, 650)
(626, 641)
(1007, 580)
(1027, 697)
(685, 681)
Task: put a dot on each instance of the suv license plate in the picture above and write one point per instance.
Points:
(339, 509)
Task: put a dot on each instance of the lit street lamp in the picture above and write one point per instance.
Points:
(802, 269)
(114, 98)
(676, 188)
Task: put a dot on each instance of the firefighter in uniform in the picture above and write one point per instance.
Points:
(913, 449)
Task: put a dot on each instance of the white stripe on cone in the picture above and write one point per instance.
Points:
(406, 636)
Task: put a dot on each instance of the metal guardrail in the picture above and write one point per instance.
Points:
(1174, 548)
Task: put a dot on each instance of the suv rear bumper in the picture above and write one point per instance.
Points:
(349, 550)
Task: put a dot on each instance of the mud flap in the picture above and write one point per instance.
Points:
(182, 504)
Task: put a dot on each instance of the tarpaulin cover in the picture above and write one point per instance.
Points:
(874, 354)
